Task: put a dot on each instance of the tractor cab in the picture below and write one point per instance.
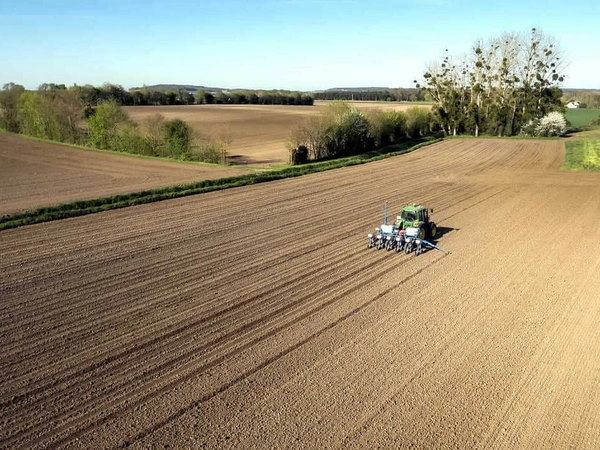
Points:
(408, 216)
(416, 216)
(413, 215)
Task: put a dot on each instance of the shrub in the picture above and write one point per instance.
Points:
(529, 129)
(129, 140)
(417, 122)
(348, 134)
(552, 124)
(300, 155)
(209, 149)
(381, 128)
(151, 128)
(312, 134)
(209, 153)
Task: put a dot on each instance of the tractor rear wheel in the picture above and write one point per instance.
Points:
(422, 233)
(433, 230)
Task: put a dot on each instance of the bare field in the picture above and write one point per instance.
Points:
(257, 318)
(259, 132)
(35, 174)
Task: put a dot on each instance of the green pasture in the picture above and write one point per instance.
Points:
(581, 117)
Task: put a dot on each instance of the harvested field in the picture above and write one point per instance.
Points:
(257, 318)
(35, 174)
(259, 132)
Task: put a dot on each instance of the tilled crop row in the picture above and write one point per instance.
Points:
(36, 174)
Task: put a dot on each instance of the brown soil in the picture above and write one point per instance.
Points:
(35, 174)
(257, 318)
(258, 132)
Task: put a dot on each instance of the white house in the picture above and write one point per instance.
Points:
(573, 105)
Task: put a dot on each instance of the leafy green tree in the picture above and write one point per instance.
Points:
(209, 98)
(239, 98)
(386, 127)
(221, 98)
(89, 95)
(350, 134)
(157, 98)
(31, 115)
(104, 124)
(200, 97)
(417, 122)
(177, 138)
(139, 99)
(307, 99)
(115, 92)
(51, 114)
(184, 97)
(51, 87)
(9, 97)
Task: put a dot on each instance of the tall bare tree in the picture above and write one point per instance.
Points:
(499, 86)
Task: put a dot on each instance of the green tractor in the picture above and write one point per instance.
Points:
(417, 216)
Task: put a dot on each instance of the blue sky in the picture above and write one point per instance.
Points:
(268, 44)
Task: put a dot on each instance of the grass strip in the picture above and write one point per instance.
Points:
(84, 207)
(582, 155)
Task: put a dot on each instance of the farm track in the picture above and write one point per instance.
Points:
(257, 315)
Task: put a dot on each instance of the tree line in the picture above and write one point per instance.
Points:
(60, 114)
(93, 95)
(342, 130)
(498, 88)
(386, 95)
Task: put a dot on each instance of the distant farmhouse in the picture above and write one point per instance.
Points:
(573, 105)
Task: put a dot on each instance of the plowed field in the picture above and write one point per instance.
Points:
(257, 318)
(35, 174)
(258, 132)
